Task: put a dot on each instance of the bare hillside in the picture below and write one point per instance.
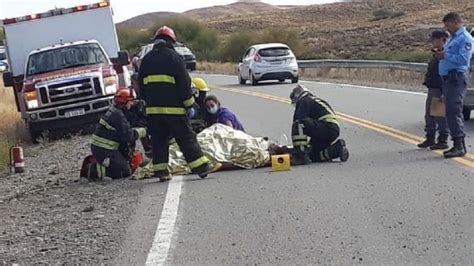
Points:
(346, 29)
(214, 13)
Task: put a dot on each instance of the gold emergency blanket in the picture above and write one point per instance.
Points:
(222, 144)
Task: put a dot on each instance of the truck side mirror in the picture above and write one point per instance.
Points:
(123, 58)
(8, 79)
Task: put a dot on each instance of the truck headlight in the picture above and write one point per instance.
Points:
(31, 99)
(110, 84)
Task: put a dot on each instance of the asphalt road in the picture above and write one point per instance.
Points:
(390, 203)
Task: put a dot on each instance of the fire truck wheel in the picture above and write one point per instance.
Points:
(35, 135)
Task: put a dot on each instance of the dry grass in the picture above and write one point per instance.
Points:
(368, 76)
(11, 127)
(396, 79)
(217, 68)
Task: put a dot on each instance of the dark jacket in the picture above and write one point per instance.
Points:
(136, 115)
(432, 78)
(114, 132)
(165, 84)
(313, 108)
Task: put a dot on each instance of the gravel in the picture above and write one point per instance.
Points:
(50, 216)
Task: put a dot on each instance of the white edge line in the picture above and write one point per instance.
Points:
(366, 87)
(342, 85)
(165, 230)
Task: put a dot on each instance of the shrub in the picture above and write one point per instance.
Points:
(202, 40)
(2, 37)
(236, 45)
(405, 56)
(132, 40)
(289, 37)
(383, 13)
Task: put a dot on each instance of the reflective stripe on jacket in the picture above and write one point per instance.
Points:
(113, 131)
(315, 108)
(165, 84)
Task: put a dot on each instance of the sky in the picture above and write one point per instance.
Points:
(125, 9)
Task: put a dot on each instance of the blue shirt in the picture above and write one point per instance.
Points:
(458, 53)
(224, 115)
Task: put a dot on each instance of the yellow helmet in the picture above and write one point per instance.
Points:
(200, 84)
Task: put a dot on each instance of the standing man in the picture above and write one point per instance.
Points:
(454, 69)
(166, 87)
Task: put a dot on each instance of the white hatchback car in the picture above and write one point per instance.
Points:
(272, 61)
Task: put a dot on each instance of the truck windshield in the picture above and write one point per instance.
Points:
(66, 57)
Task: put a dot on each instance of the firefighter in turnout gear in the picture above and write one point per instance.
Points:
(315, 130)
(114, 139)
(165, 86)
(200, 90)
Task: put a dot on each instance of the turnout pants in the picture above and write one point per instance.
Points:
(322, 135)
(111, 164)
(454, 88)
(165, 127)
(435, 124)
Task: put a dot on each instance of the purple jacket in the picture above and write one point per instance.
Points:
(224, 115)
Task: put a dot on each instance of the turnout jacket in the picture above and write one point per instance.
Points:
(311, 108)
(114, 132)
(165, 84)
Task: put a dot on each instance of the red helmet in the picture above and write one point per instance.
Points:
(124, 95)
(166, 31)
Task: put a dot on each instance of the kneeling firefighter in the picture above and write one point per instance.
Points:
(315, 130)
(114, 139)
(166, 87)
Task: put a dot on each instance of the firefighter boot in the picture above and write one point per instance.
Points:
(96, 172)
(442, 144)
(429, 141)
(458, 149)
(163, 176)
(208, 169)
(338, 150)
(299, 157)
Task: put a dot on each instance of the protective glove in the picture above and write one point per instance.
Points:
(139, 132)
(191, 113)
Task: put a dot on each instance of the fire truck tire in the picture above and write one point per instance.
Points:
(35, 135)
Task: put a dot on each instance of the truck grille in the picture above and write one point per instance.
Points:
(70, 91)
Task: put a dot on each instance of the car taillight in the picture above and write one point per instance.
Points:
(257, 58)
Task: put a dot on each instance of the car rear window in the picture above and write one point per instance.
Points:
(276, 51)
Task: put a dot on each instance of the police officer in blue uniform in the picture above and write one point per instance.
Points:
(454, 69)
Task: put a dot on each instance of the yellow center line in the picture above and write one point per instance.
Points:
(392, 132)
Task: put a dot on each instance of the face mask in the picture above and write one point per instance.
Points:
(213, 110)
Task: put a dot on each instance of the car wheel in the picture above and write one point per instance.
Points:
(295, 80)
(253, 80)
(242, 81)
(466, 112)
